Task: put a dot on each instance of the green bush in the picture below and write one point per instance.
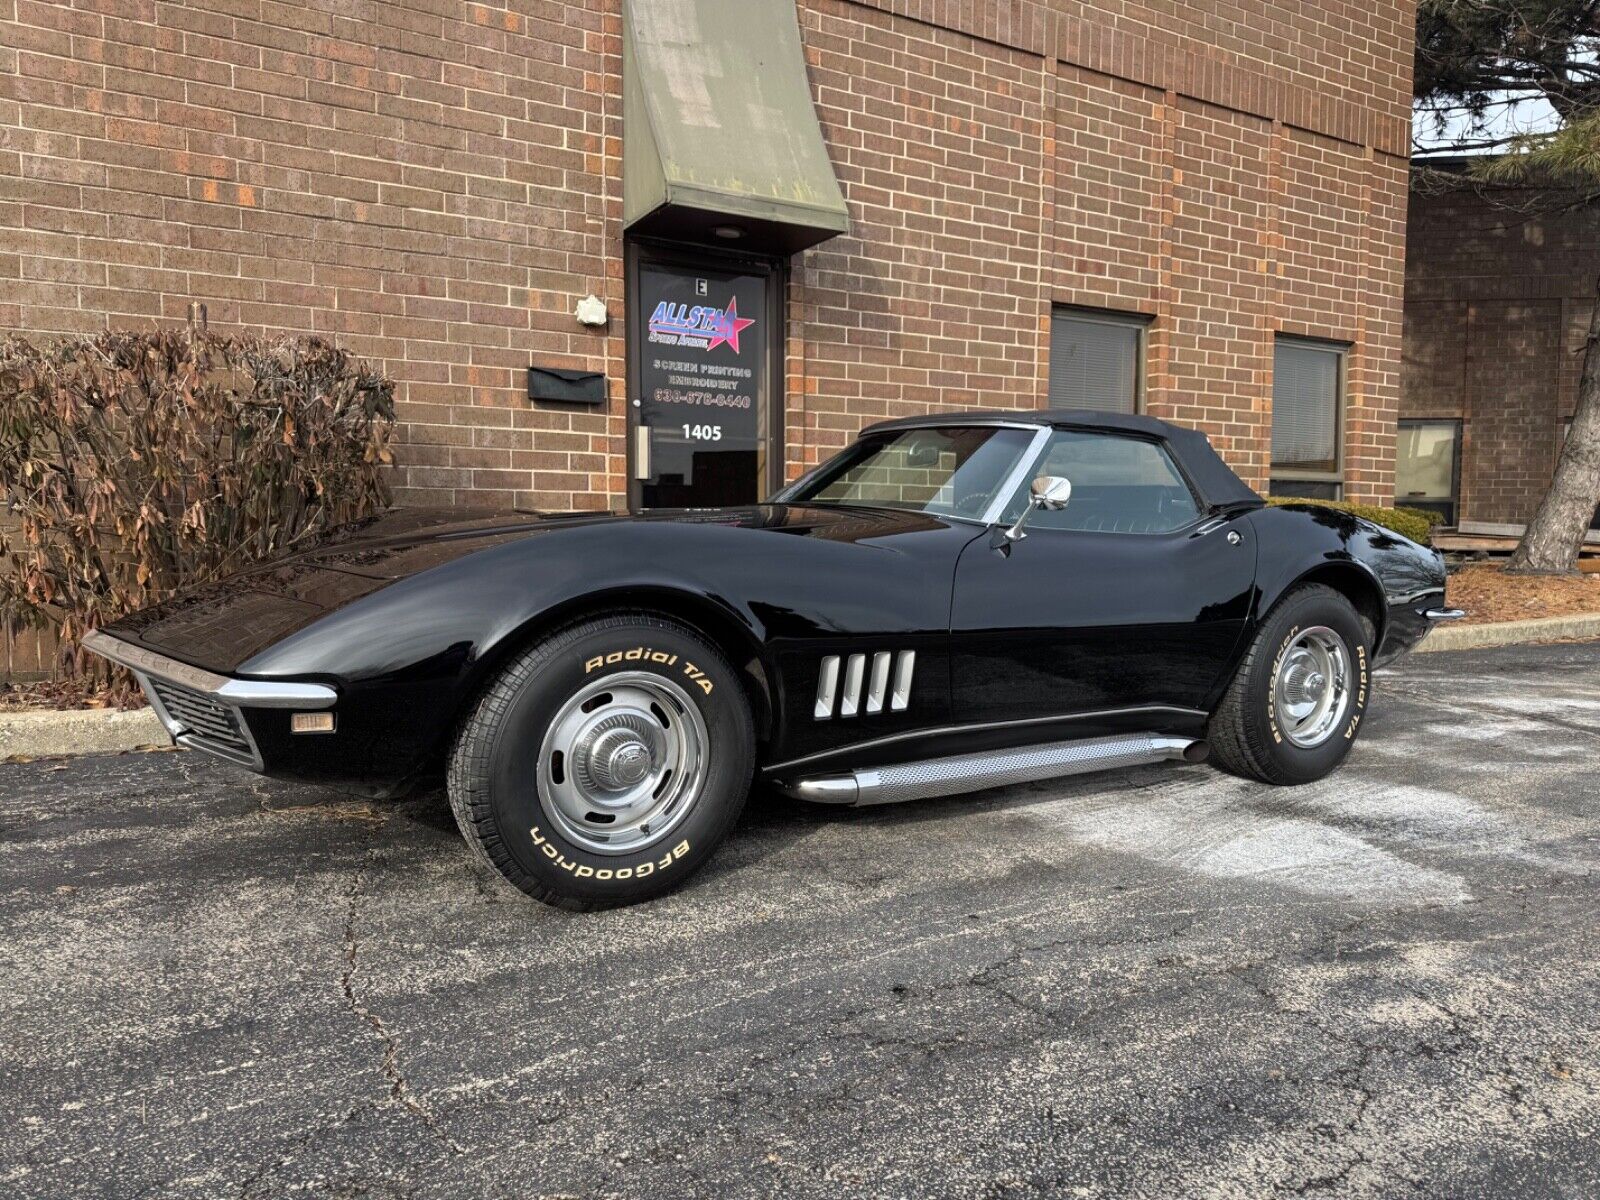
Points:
(1414, 523)
(136, 464)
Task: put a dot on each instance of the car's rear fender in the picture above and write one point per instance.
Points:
(1389, 579)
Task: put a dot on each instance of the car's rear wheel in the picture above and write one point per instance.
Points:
(604, 764)
(1295, 704)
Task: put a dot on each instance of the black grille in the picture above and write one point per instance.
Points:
(211, 726)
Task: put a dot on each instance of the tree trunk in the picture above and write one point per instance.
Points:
(1550, 547)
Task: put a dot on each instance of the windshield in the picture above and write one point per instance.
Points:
(951, 471)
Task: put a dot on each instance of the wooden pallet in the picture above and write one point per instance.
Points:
(1468, 543)
(1490, 529)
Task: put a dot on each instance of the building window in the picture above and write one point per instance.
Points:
(1426, 466)
(1307, 396)
(1096, 360)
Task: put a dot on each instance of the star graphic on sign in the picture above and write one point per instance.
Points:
(728, 327)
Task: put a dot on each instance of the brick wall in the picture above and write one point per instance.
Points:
(437, 184)
(1176, 188)
(933, 299)
(1497, 302)
(433, 184)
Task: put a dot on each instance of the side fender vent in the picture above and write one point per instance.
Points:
(869, 684)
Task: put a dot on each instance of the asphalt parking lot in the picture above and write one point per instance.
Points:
(1161, 983)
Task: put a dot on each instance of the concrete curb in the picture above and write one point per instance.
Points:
(78, 731)
(1512, 633)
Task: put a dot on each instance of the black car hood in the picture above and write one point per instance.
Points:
(408, 541)
(217, 626)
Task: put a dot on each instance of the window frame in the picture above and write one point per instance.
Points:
(1139, 323)
(1341, 400)
(1026, 457)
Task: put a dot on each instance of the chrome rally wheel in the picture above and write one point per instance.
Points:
(605, 762)
(623, 762)
(1312, 687)
(1299, 696)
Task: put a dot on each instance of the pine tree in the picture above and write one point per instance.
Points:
(1478, 56)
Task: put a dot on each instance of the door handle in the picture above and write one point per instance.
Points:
(641, 451)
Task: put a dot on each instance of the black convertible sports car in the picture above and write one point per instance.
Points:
(951, 603)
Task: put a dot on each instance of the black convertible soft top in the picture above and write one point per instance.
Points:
(1216, 481)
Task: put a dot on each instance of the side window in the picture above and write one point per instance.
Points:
(1119, 485)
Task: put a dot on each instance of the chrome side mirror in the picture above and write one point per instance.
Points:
(1049, 493)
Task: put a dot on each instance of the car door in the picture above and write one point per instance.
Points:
(1121, 610)
(856, 608)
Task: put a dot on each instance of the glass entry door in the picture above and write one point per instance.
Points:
(703, 335)
(1427, 454)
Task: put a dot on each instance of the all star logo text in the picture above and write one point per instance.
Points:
(700, 326)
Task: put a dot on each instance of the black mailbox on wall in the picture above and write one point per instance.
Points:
(556, 386)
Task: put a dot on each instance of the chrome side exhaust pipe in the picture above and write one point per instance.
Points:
(987, 769)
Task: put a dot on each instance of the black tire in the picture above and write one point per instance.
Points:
(515, 826)
(1249, 734)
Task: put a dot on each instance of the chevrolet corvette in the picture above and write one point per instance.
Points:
(951, 603)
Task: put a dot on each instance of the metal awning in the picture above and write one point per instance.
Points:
(719, 128)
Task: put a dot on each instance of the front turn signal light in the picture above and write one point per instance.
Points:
(314, 722)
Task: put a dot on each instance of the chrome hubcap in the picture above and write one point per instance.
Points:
(615, 755)
(623, 762)
(1311, 692)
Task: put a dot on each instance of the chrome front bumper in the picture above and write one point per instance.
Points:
(202, 709)
(1445, 614)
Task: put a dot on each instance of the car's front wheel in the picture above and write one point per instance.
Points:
(1297, 700)
(603, 765)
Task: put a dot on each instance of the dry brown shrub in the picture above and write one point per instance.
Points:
(136, 464)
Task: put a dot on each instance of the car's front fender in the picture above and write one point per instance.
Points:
(407, 659)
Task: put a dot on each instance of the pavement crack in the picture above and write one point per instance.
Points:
(399, 1088)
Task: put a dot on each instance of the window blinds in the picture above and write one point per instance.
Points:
(1094, 363)
(1305, 408)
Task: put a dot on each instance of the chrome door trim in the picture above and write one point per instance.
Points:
(641, 451)
(1018, 476)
